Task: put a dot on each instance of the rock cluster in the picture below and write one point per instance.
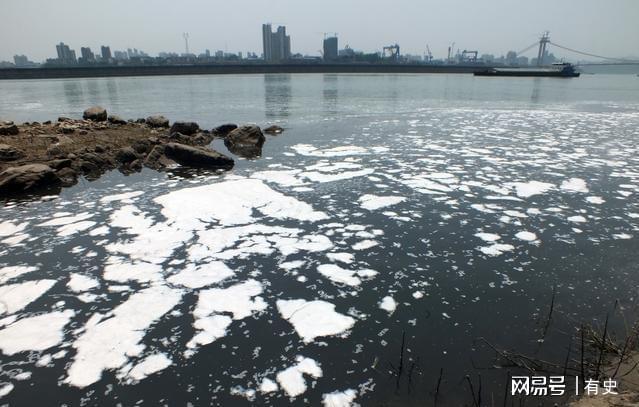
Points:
(45, 156)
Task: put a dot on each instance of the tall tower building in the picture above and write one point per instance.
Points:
(330, 48)
(276, 45)
(65, 54)
(106, 52)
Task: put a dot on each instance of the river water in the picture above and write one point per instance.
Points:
(396, 221)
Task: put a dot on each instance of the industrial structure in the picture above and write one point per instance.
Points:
(391, 52)
(330, 48)
(276, 45)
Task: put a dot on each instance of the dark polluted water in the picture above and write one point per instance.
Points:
(382, 243)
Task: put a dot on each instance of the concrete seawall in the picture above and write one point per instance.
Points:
(113, 71)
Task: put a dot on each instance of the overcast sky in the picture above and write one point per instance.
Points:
(33, 27)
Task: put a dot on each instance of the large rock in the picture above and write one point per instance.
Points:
(157, 121)
(126, 155)
(186, 128)
(245, 141)
(9, 130)
(115, 119)
(223, 130)
(197, 156)
(25, 178)
(274, 129)
(95, 113)
(8, 153)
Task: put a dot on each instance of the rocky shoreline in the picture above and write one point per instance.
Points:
(44, 157)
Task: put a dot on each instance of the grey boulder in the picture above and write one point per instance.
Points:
(186, 128)
(198, 157)
(25, 178)
(245, 141)
(95, 113)
(157, 121)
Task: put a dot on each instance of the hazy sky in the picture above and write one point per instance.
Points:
(33, 27)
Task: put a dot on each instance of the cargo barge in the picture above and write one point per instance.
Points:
(560, 70)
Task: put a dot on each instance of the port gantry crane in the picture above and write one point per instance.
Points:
(391, 52)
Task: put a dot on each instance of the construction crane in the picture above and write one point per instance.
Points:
(391, 52)
(186, 42)
(430, 55)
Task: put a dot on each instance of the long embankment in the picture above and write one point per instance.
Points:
(225, 69)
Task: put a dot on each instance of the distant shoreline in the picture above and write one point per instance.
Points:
(122, 71)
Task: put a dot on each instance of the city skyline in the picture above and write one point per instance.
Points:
(491, 28)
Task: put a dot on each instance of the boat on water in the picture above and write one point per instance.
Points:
(558, 70)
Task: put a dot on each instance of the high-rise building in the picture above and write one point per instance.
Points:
(106, 52)
(276, 45)
(65, 54)
(21, 61)
(87, 54)
(330, 48)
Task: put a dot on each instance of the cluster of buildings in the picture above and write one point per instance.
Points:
(276, 48)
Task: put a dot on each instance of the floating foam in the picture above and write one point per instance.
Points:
(374, 202)
(79, 283)
(292, 379)
(17, 296)
(574, 185)
(9, 272)
(150, 365)
(35, 333)
(312, 319)
(388, 304)
(339, 398)
(202, 275)
(109, 344)
(528, 189)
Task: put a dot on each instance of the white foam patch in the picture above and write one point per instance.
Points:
(526, 236)
(8, 228)
(312, 319)
(150, 365)
(488, 237)
(210, 329)
(292, 379)
(14, 297)
(365, 244)
(268, 386)
(122, 271)
(321, 177)
(374, 202)
(109, 344)
(496, 249)
(528, 189)
(341, 151)
(240, 300)
(79, 283)
(6, 388)
(285, 178)
(597, 200)
(339, 398)
(574, 185)
(342, 276)
(346, 258)
(388, 304)
(126, 197)
(577, 219)
(232, 203)
(67, 220)
(9, 272)
(201, 276)
(73, 228)
(35, 333)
